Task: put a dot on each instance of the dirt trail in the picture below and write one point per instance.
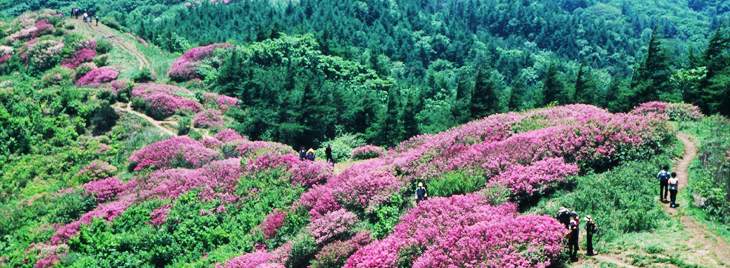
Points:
(708, 245)
(116, 41)
(155, 123)
(701, 247)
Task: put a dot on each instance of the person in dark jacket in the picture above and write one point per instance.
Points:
(328, 153)
(590, 230)
(302, 153)
(563, 217)
(573, 240)
(310, 154)
(663, 178)
(421, 193)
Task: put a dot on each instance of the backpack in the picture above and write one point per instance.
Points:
(663, 176)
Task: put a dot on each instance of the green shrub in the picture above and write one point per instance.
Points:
(143, 76)
(183, 125)
(194, 134)
(342, 146)
(456, 182)
(111, 22)
(70, 26)
(103, 47)
(101, 60)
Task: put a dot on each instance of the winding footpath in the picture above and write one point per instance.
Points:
(701, 246)
(116, 41)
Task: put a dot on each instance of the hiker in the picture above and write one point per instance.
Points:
(302, 153)
(328, 154)
(310, 154)
(590, 230)
(97, 20)
(86, 15)
(563, 217)
(573, 238)
(663, 178)
(421, 193)
(673, 187)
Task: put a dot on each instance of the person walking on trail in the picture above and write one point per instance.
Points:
(328, 154)
(673, 187)
(663, 178)
(573, 239)
(310, 154)
(97, 20)
(86, 15)
(563, 217)
(302, 153)
(590, 230)
(421, 193)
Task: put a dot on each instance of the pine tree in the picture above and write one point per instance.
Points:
(413, 105)
(485, 96)
(716, 84)
(652, 77)
(585, 86)
(517, 94)
(553, 85)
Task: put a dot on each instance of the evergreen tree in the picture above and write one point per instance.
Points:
(652, 77)
(485, 96)
(414, 104)
(553, 85)
(585, 86)
(390, 131)
(715, 87)
(517, 94)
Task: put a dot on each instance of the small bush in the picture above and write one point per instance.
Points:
(143, 76)
(111, 22)
(366, 152)
(103, 47)
(101, 60)
(183, 125)
(70, 26)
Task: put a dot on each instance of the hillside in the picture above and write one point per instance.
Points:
(116, 153)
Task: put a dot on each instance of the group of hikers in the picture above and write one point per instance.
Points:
(311, 155)
(571, 221)
(87, 16)
(668, 183)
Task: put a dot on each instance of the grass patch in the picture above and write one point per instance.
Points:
(160, 60)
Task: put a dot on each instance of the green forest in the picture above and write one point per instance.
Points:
(424, 66)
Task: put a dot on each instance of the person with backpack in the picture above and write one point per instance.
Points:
(97, 20)
(663, 178)
(573, 238)
(591, 229)
(328, 154)
(421, 193)
(302, 153)
(310, 154)
(563, 217)
(673, 187)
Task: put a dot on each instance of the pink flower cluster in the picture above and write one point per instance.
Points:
(247, 148)
(159, 215)
(540, 175)
(273, 222)
(78, 57)
(120, 85)
(165, 99)
(39, 29)
(47, 254)
(222, 101)
(98, 76)
(185, 67)
(228, 135)
(209, 118)
(252, 260)
(106, 211)
(332, 225)
(366, 185)
(318, 200)
(309, 173)
(98, 170)
(672, 111)
(336, 253)
(104, 189)
(367, 152)
(174, 152)
(463, 230)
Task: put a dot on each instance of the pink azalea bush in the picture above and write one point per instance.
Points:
(174, 152)
(309, 173)
(540, 175)
(318, 200)
(97, 76)
(228, 135)
(78, 57)
(366, 152)
(465, 230)
(104, 189)
(209, 118)
(40, 28)
(159, 215)
(672, 111)
(97, 170)
(336, 253)
(332, 225)
(165, 100)
(185, 67)
(250, 260)
(273, 222)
